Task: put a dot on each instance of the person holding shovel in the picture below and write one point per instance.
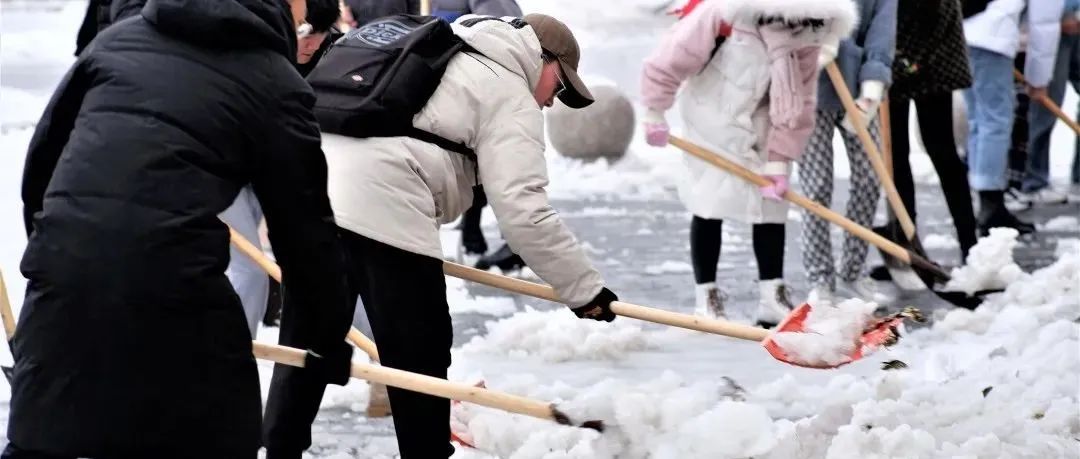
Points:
(752, 99)
(390, 194)
(131, 341)
(865, 59)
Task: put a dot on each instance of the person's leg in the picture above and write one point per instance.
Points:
(769, 250)
(899, 110)
(1074, 80)
(248, 279)
(472, 236)
(293, 401)
(935, 124)
(862, 202)
(993, 99)
(1041, 121)
(706, 237)
(405, 296)
(816, 181)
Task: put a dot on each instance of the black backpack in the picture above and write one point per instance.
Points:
(973, 7)
(374, 79)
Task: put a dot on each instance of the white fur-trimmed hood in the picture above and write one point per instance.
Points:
(841, 16)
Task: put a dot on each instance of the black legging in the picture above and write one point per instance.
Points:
(935, 124)
(706, 237)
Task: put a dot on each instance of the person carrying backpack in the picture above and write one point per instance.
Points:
(752, 100)
(394, 179)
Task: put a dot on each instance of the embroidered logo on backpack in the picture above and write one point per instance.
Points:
(382, 33)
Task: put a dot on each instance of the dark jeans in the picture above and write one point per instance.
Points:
(14, 452)
(706, 236)
(935, 123)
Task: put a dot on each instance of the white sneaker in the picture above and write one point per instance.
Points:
(775, 303)
(710, 301)
(865, 289)
(1016, 201)
(1045, 196)
(820, 296)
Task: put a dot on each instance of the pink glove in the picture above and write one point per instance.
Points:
(656, 129)
(777, 189)
(777, 173)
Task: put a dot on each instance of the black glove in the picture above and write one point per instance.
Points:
(332, 364)
(599, 308)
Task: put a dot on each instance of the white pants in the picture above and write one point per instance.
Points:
(251, 283)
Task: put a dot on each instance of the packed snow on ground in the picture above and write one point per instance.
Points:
(989, 265)
(462, 302)
(830, 335)
(1000, 381)
(669, 267)
(1061, 223)
(940, 242)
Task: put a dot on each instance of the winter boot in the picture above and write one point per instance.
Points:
(775, 303)
(504, 258)
(993, 214)
(820, 296)
(378, 401)
(865, 289)
(710, 301)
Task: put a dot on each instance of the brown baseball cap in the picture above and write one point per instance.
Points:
(557, 39)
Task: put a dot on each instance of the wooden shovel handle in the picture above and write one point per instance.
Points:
(885, 115)
(425, 7)
(417, 383)
(719, 327)
(1051, 106)
(358, 339)
(858, 230)
(5, 311)
(872, 152)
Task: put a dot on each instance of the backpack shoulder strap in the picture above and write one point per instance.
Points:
(442, 142)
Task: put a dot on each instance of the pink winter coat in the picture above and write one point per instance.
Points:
(753, 101)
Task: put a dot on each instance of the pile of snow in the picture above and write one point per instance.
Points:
(830, 334)
(557, 336)
(669, 267)
(1000, 381)
(461, 302)
(989, 265)
(940, 242)
(1062, 223)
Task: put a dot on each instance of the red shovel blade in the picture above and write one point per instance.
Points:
(881, 332)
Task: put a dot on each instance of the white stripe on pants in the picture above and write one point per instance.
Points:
(816, 180)
(251, 283)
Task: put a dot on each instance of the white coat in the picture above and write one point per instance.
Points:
(399, 190)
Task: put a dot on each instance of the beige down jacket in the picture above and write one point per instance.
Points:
(399, 190)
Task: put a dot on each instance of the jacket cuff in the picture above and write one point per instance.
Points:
(876, 71)
(872, 90)
(776, 168)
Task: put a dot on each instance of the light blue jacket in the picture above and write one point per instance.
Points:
(866, 55)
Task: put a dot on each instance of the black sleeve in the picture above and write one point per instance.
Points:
(50, 137)
(290, 182)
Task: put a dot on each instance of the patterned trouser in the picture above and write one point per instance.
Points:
(816, 179)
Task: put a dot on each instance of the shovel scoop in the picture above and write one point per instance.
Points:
(800, 340)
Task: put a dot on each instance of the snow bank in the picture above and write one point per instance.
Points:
(989, 265)
(831, 334)
(461, 302)
(557, 336)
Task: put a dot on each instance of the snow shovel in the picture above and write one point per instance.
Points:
(432, 386)
(9, 325)
(924, 267)
(909, 238)
(1051, 106)
(354, 336)
(876, 336)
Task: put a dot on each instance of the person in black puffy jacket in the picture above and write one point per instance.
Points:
(131, 341)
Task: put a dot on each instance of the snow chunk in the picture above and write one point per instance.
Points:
(669, 267)
(1062, 223)
(557, 336)
(940, 242)
(989, 265)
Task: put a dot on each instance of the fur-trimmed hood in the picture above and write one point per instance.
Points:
(840, 16)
